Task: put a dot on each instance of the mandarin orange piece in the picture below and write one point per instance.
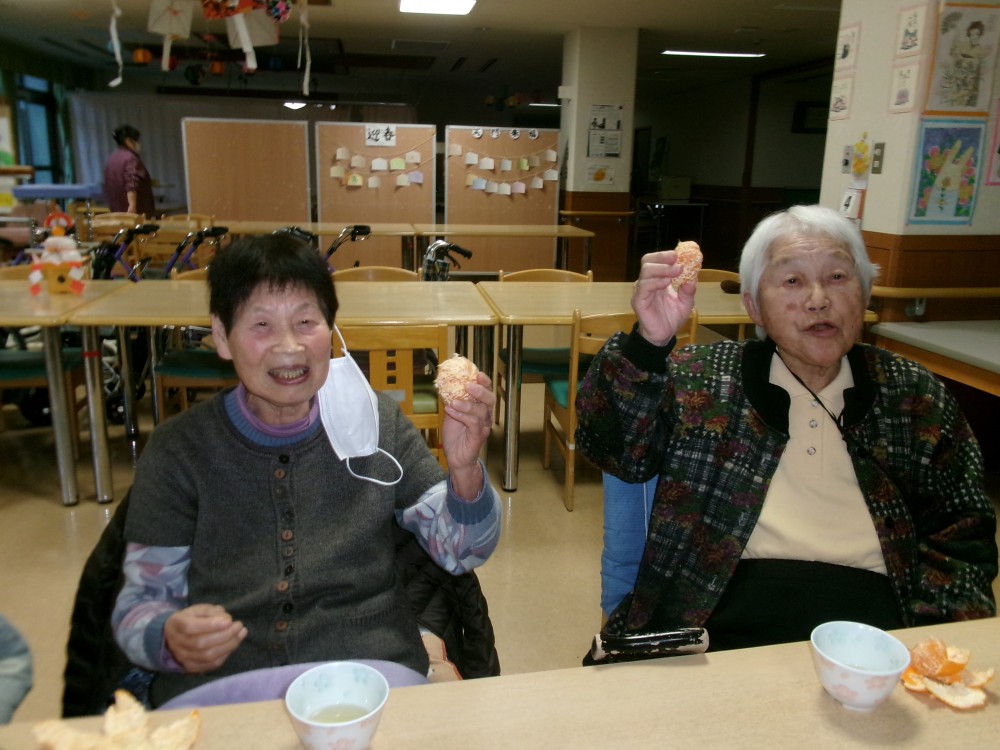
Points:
(928, 656)
(956, 695)
(914, 681)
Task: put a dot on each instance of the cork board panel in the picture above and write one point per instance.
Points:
(247, 169)
(501, 158)
(349, 153)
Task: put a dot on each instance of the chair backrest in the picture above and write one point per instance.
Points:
(717, 274)
(390, 351)
(195, 274)
(190, 221)
(17, 272)
(375, 273)
(544, 274)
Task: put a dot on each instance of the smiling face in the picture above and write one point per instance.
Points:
(280, 346)
(812, 304)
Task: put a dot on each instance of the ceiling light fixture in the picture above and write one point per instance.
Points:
(440, 7)
(688, 53)
(295, 105)
(543, 104)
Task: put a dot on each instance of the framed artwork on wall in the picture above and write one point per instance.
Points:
(905, 86)
(947, 175)
(910, 34)
(846, 56)
(840, 98)
(965, 53)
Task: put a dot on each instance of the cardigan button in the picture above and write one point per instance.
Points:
(281, 626)
(287, 535)
(283, 586)
(283, 458)
(279, 473)
(288, 551)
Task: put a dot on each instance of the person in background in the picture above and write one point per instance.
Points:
(15, 670)
(127, 184)
(803, 477)
(260, 529)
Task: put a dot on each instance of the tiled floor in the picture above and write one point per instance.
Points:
(542, 583)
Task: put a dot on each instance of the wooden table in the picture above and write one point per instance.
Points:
(562, 232)
(185, 303)
(751, 698)
(19, 309)
(521, 303)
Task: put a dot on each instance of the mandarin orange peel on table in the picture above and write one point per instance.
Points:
(943, 672)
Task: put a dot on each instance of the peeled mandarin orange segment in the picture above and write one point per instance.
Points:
(956, 660)
(928, 656)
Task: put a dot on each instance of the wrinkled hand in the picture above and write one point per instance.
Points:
(467, 425)
(949, 176)
(659, 310)
(201, 637)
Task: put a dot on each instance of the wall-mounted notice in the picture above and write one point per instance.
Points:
(604, 131)
(380, 135)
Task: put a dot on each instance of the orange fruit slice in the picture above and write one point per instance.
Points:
(913, 680)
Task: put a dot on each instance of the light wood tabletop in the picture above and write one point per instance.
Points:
(561, 232)
(18, 309)
(749, 698)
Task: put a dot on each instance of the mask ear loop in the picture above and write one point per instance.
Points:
(347, 461)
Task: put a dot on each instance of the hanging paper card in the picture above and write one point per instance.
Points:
(471, 158)
(402, 180)
(337, 172)
(380, 135)
(226, 8)
(478, 183)
(522, 164)
(343, 153)
(550, 175)
(518, 188)
(374, 182)
(172, 19)
(249, 30)
(506, 165)
(486, 163)
(397, 164)
(470, 179)
(454, 149)
(412, 157)
(355, 180)
(492, 187)
(536, 182)
(550, 154)
(416, 178)
(358, 161)
(504, 188)
(379, 164)
(534, 160)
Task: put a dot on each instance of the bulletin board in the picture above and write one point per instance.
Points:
(247, 170)
(374, 173)
(504, 176)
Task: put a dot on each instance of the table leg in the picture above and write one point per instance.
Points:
(512, 408)
(588, 246)
(462, 340)
(416, 258)
(482, 349)
(128, 383)
(408, 253)
(98, 422)
(58, 406)
(562, 253)
(154, 360)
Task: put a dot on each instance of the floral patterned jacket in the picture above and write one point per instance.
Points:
(707, 420)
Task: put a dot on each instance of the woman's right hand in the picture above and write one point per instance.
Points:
(201, 637)
(659, 309)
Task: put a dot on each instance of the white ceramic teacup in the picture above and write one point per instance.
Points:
(857, 664)
(337, 704)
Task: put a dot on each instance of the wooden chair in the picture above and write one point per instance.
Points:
(536, 362)
(106, 226)
(391, 350)
(185, 369)
(588, 335)
(15, 273)
(375, 273)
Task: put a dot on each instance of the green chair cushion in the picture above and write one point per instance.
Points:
(195, 364)
(546, 361)
(20, 364)
(425, 397)
(559, 386)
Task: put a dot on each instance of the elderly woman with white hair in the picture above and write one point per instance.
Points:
(804, 476)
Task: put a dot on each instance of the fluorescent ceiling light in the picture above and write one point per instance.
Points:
(542, 104)
(711, 54)
(295, 105)
(441, 7)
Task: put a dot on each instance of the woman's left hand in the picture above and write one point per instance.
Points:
(467, 425)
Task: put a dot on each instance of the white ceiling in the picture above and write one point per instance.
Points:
(367, 50)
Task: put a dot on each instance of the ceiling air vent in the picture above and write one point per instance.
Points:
(418, 47)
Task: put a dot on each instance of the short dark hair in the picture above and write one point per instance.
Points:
(123, 132)
(278, 260)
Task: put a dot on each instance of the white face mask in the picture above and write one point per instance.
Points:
(348, 409)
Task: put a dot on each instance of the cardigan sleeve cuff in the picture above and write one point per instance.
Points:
(644, 355)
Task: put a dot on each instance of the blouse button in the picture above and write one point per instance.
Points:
(283, 586)
(287, 535)
(279, 473)
(813, 423)
(811, 451)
